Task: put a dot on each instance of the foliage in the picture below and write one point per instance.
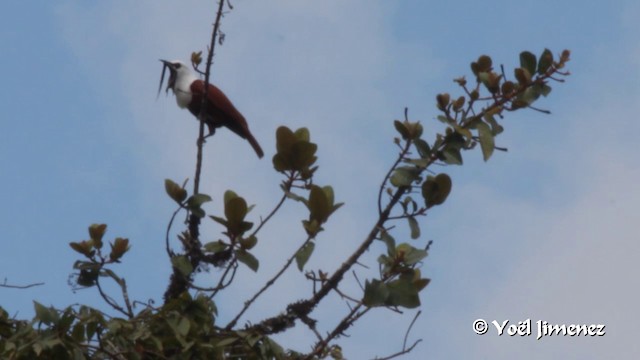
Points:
(186, 326)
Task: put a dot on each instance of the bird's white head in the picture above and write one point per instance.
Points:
(180, 80)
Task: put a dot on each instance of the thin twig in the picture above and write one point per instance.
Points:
(110, 301)
(233, 265)
(203, 106)
(166, 239)
(287, 187)
(406, 335)
(268, 284)
(400, 353)
(125, 296)
(353, 315)
(5, 285)
(179, 283)
(393, 167)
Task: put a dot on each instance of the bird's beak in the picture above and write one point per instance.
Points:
(172, 76)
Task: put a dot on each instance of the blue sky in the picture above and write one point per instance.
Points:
(543, 232)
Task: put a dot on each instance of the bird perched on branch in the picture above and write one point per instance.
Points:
(218, 110)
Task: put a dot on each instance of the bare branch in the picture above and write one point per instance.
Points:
(109, 300)
(405, 349)
(9, 286)
(268, 284)
(178, 283)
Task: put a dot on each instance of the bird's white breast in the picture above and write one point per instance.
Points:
(182, 88)
(183, 97)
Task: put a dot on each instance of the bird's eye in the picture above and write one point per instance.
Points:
(178, 65)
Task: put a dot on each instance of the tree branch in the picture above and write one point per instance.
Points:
(5, 285)
(178, 282)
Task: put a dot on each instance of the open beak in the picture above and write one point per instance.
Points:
(172, 76)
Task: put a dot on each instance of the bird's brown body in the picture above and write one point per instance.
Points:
(219, 111)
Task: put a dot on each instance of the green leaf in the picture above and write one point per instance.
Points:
(273, 350)
(452, 155)
(402, 292)
(303, 255)
(96, 232)
(546, 59)
(484, 78)
(295, 151)
(463, 131)
(495, 127)
(295, 197)
(421, 284)
(415, 228)
(226, 341)
(436, 190)
(235, 210)
(487, 143)
(530, 95)
(92, 328)
(443, 101)
(249, 243)
(183, 327)
(415, 130)
(284, 139)
(196, 200)
(386, 261)
(411, 255)
(175, 191)
(198, 212)
(508, 87)
(405, 176)
(423, 148)
(483, 64)
(183, 265)
(445, 120)
(528, 61)
(228, 195)
(522, 75)
(46, 315)
(215, 246)
(312, 227)
(421, 163)
(248, 259)
(328, 191)
(84, 247)
(389, 241)
(318, 204)
(119, 248)
(77, 333)
(303, 155)
(375, 293)
(219, 220)
(302, 134)
(281, 163)
(401, 128)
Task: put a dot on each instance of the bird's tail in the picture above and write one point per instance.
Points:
(254, 144)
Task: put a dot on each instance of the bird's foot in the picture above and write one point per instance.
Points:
(203, 140)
